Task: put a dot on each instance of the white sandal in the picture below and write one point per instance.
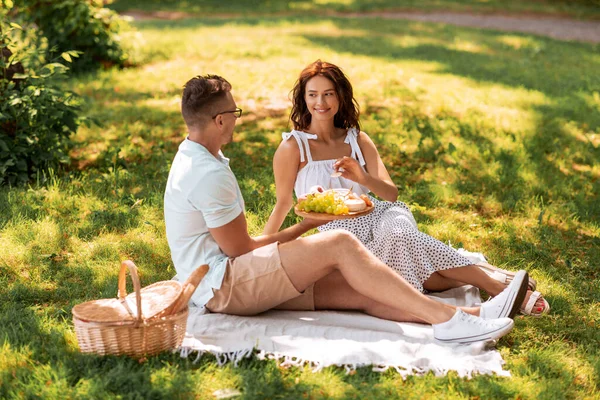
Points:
(528, 309)
(502, 275)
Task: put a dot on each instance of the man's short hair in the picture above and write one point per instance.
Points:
(200, 96)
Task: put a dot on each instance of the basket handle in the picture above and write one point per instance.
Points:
(129, 265)
(189, 287)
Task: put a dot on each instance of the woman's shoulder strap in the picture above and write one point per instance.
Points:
(352, 140)
(302, 140)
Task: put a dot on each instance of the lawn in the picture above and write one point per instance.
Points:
(582, 9)
(492, 138)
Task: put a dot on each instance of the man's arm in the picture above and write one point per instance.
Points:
(234, 240)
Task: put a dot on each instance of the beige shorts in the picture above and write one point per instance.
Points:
(256, 282)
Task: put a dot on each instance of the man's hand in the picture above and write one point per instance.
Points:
(234, 240)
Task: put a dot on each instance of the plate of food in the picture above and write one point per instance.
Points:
(332, 204)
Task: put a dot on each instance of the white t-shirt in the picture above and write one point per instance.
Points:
(201, 193)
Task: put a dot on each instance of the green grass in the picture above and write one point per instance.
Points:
(579, 9)
(493, 139)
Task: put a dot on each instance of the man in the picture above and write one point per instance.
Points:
(205, 221)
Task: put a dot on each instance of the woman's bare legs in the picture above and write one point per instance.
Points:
(334, 293)
(472, 275)
(438, 283)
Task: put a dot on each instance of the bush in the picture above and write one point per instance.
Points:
(81, 25)
(37, 117)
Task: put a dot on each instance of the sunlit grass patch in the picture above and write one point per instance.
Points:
(493, 140)
(243, 7)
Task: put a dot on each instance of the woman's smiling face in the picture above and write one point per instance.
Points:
(321, 98)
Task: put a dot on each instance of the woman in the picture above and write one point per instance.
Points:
(327, 142)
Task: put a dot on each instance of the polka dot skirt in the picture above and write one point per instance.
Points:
(390, 232)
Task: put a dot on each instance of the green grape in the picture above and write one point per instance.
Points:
(326, 202)
(322, 207)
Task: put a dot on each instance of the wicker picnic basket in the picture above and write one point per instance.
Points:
(146, 322)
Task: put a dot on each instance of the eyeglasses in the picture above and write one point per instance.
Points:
(237, 112)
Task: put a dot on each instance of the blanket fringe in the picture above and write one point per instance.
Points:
(282, 360)
(289, 361)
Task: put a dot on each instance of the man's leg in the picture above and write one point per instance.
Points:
(334, 293)
(310, 259)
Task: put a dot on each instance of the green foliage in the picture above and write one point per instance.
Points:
(36, 118)
(81, 25)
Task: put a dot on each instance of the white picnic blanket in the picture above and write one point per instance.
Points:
(349, 339)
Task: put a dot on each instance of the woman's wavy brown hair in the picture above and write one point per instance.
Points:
(348, 113)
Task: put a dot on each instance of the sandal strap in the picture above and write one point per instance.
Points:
(532, 300)
(500, 277)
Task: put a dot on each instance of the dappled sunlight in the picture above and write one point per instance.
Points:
(517, 42)
(88, 154)
(220, 378)
(592, 100)
(269, 115)
(556, 359)
(14, 255)
(170, 379)
(170, 9)
(568, 168)
(271, 125)
(328, 383)
(105, 248)
(583, 136)
(492, 138)
(41, 237)
(172, 104)
(456, 228)
(15, 358)
(255, 223)
(469, 46)
(436, 88)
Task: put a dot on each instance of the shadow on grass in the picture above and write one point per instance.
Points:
(540, 66)
(560, 71)
(36, 331)
(144, 166)
(35, 343)
(10, 212)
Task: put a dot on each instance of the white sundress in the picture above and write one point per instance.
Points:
(390, 232)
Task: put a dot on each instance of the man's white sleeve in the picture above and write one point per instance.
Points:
(216, 196)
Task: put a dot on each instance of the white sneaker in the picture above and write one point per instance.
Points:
(509, 301)
(466, 328)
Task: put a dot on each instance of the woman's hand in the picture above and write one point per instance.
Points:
(350, 169)
(309, 223)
